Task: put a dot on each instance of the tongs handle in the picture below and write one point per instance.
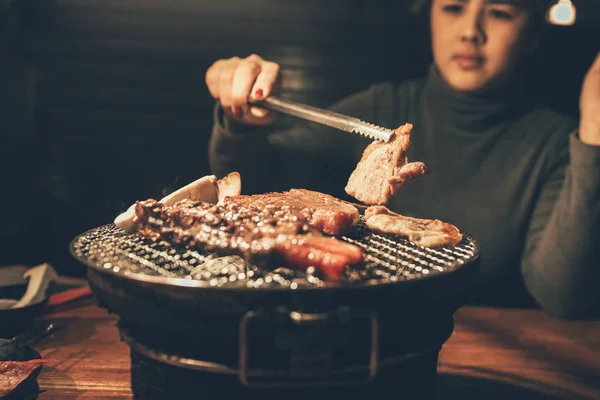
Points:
(325, 117)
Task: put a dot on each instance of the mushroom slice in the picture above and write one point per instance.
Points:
(231, 185)
(204, 189)
(127, 220)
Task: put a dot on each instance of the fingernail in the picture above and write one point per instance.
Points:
(259, 93)
(258, 112)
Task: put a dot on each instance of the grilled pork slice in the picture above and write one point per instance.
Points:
(266, 235)
(384, 169)
(13, 373)
(324, 212)
(423, 232)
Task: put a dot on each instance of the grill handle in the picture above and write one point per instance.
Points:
(218, 368)
(301, 318)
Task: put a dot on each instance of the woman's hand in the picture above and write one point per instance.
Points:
(233, 81)
(589, 106)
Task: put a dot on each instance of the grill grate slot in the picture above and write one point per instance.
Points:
(389, 259)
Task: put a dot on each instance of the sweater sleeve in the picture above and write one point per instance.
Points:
(561, 264)
(307, 155)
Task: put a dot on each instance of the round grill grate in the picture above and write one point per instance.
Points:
(389, 259)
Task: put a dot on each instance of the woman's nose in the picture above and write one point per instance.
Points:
(472, 29)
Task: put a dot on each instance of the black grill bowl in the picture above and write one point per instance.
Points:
(411, 300)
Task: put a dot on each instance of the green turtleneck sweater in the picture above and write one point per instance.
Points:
(512, 174)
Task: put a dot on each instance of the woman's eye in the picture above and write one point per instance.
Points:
(500, 14)
(453, 8)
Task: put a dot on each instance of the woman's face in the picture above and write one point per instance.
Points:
(478, 43)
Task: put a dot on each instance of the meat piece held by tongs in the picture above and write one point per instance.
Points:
(384, 169)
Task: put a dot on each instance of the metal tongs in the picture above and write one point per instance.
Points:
(325, 117)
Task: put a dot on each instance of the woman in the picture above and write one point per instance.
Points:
(524, 180)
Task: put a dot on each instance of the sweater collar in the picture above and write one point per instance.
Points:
(472, 113)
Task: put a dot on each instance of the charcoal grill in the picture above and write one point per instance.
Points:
(184, 312)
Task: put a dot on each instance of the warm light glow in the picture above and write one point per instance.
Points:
(562, 13)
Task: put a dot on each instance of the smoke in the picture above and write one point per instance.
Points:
(172, 186)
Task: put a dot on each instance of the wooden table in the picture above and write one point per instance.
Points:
(493, 354)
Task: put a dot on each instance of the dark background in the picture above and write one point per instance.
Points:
(103, 101)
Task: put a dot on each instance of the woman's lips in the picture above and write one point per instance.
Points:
(468, 62)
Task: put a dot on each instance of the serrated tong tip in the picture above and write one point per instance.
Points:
(326, 117)
(374, 132)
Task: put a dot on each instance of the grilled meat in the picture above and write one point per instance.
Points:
(423, 232)
(13, 373)
(384, 169)
(324, 212)
(265, 235)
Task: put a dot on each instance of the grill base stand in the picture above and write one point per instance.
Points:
(151, 379)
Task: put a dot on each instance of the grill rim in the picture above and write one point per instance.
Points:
(172, 282)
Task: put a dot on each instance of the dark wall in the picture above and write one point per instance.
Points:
(104, 101)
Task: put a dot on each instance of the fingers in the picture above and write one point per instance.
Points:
(212, 78)
(596, 65)
(225, 81)
(243, 80)
(589, 105)
(233, 81)
(267, 82)
(590, 87)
